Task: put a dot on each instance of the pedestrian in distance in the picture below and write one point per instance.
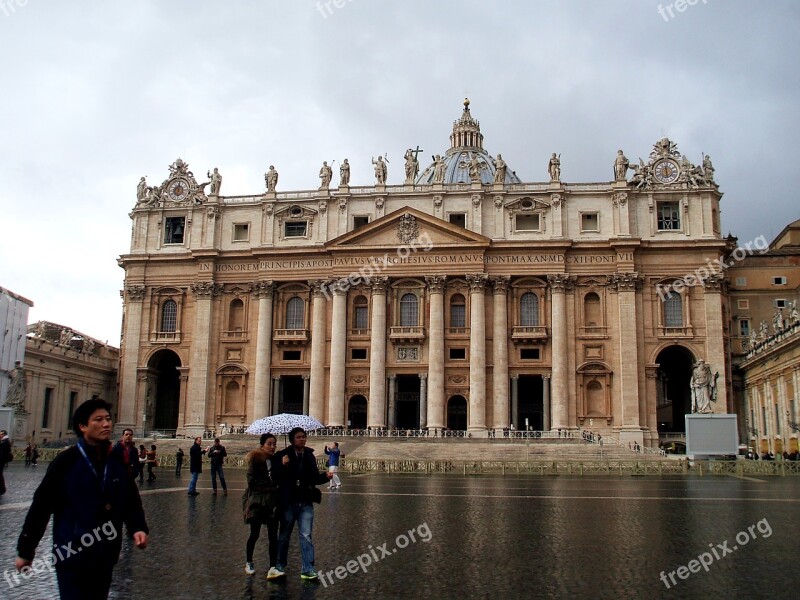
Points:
(195, 465)
(125, 450)
(6, 456)
(298, 478)
(179, 461)
(260, 503)
(142, 462)
(216, 455)
(89, 493)
(152, 463)
(35, 455)
(28, 452)
(334, 454)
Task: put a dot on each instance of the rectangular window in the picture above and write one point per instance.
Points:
(360, 221)
(527, 223)
(174, 229)
(241, 232)
(48, 400)
(362, 317)
(458, 353)
(741, 281)
(744, 327)
(743, 304)
(669, 216)
(590, 222)
(358, 354)
(291, 355)
(73, 400)
(295, 228)
(777, 420)
(458, 315)
(529, 354)
(779, 281)
(780, 303)
(459, 219)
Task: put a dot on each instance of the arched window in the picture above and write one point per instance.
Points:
(236, 315)
(409, 310)
(458, 311)
(673, 310)
(294, 313)
(360, 313)
(591, 310)
(529, 310)
(169, 316)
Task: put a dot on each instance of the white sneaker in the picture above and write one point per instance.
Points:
(274, 573)
(249, 568)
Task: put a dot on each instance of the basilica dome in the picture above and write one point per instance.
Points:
(466, 150)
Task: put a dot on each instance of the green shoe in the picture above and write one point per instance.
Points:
(309, 575)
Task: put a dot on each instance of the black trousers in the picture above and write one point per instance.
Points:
(272, 537)
(84, 584)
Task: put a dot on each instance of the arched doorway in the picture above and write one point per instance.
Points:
(457, 413)
(161, 408)
(673, 392)
(357, 412)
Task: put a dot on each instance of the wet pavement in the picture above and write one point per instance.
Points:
(454, 537)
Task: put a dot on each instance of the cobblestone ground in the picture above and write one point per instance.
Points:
(556, 537)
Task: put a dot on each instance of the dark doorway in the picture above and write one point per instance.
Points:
(357, 413)
(457, 413)
(164, 412)
(291, 395)
(530, 402)
(407, 402)
(673, 392)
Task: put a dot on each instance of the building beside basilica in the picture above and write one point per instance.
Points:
(463, 298)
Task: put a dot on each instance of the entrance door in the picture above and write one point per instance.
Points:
(164, 412)
(357, 413)
(457, 413)
(530, 402)
(291, 395)
(407, 402)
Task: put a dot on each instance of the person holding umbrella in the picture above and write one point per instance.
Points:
(298, 477)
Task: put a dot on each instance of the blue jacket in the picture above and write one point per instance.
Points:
(333, 456)
(84, 510)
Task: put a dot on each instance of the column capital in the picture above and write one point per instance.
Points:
(392, 376)
(306, 377)
(500, 284)
(515, 378)
(713, 282)
(379, 285)
(423, 376)
(546, 376)
(436, 283)
(619, 198)
(263, 289)
(477, 283)
(318, 287)
(205, 289)
(561, 282)
(624, 282)
(135, 293)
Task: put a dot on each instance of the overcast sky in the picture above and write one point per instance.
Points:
(95, 94)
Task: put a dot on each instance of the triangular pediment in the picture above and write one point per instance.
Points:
(408, 226)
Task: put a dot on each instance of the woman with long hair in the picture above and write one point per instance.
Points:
(151, 463)
(260, 503)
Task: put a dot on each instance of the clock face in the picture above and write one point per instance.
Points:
(178, 190)
(666, 171)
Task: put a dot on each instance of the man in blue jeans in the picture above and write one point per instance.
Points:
(195, 465)
(297, 474)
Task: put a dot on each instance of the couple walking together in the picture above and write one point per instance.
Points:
(281, 491)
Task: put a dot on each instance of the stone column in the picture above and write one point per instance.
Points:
(392, 417)
(423, 400)
(263, 291)
(477, 353)
(558, 286)
(276, 395)
(500, 353)
(515, 401)
(316, 404)
(376, 408)
(435, 411)
(546, 402)
(306, 394)
(131, 342)
(715, 344)
(625, 285)
(338, 354)
(198, 366)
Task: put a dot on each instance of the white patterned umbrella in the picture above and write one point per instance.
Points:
(283, 423)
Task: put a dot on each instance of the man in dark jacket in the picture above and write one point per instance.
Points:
(5, 458)
(216, 455)
(125, 450)
(90, 495)
(297, 474)
(195, 465)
